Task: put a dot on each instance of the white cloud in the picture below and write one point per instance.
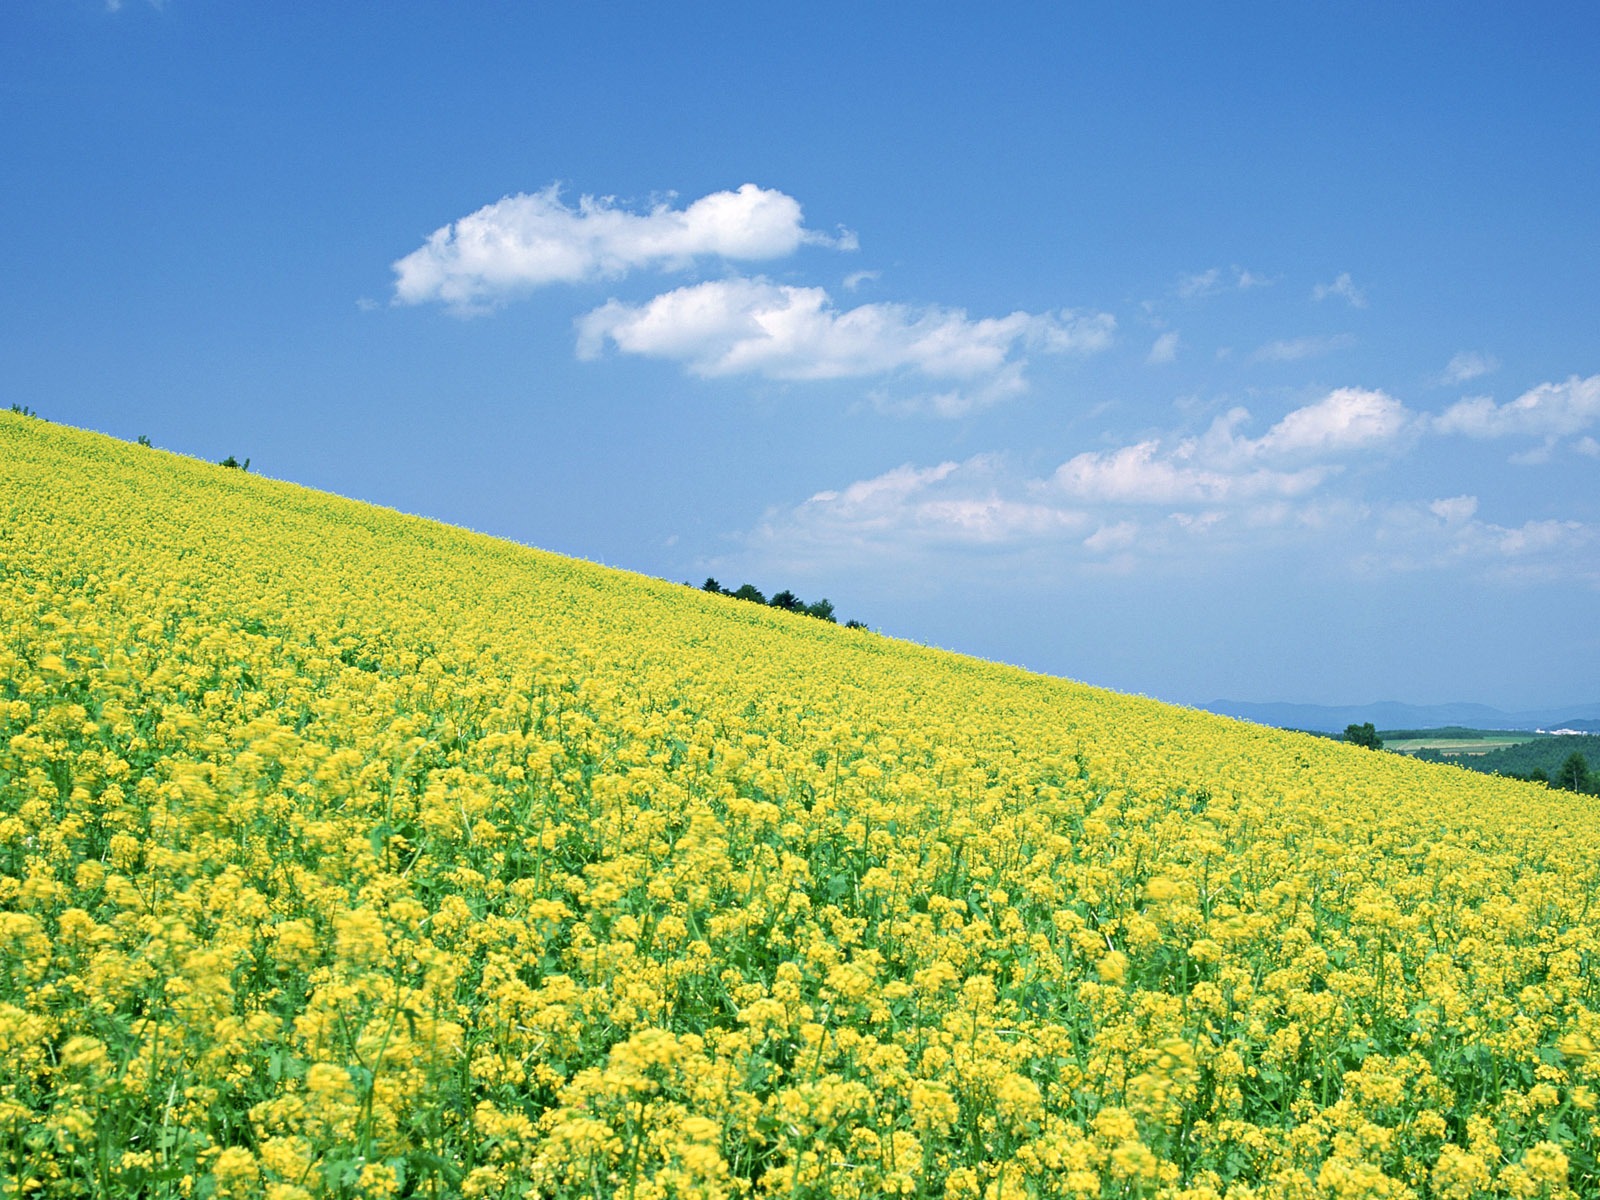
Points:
(909, 509)
(1345, 419)
(1205, 484)
(1551, 410)
(1448, 534)
(1455, 509)
(1165, 349)
(524, 241)
(1143, 474)
(1295, 349)
(856, 278)
(1295, 456)
(753, 326)
(1469, 365)
(1343, 287)
(1189, 503)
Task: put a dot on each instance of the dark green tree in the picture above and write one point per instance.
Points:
(787, 601)
(712, 586)
(1573, 774)
(749, 592)
(1363, 735)
(233, 462)
(822, 610)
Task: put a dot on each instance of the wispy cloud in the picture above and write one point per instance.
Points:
(1202, 284)
(1214, 280)
(1296, 349)
(755, 327)
(1469, 365)
(527, 241)
(1344, 288)
(1164, 349)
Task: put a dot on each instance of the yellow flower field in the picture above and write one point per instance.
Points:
(346, 854)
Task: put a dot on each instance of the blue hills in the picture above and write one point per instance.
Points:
(1390, 714)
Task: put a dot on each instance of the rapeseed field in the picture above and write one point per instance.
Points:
(347, 854)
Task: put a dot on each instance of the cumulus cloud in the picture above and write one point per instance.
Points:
(1145, 474)
(1469, 365)
(1345, 419)
(1344, 288)
(527, 241)
(1165, 348)
(1103, 507)
(753, 326)
(1293, 457)
(1551, 410)
(908, 510)
(1449, 534)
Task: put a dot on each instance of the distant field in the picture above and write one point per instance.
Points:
(1456, 744)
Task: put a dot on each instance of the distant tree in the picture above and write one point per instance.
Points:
(1572, 774)
(143, 440)
(22, 410)
(822, 610)
(234, 463)
(1363, 735)
(786, 600)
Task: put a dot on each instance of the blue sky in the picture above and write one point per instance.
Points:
(1245, 351)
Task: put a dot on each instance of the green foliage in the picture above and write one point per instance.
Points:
(786, 600)
(1574, 774)
(821, 609)
(144, 441)
(234, 463)
(22, 410)
(1540, 759)
(1363, 735)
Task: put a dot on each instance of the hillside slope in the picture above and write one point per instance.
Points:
(342, 852)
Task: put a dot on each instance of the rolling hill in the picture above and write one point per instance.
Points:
(346, 853)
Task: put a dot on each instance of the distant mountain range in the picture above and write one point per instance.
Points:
(1389, 714)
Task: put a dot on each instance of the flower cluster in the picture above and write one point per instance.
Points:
(348, 854)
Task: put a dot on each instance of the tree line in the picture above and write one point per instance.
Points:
(1573, 775)
(786, 600)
